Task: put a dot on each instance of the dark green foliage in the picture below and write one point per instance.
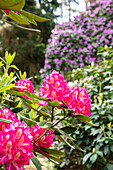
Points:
(97, 141)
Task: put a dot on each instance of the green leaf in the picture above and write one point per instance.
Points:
(17, 109)
(6, 88)
(81, 117)
(31, 95)
(50, 157)
(64, 141)
(32, 16)
(45, 124)
(17, 18)
(29, 19)
(86, 157)
(16, 93)
(68, 129)
(106, 149)
(36, 162)
(54, 103)
(5, 120)
(109, 166)
(93, 158)
(12, 4)
(3, 81)
(53, 152)
(15, 67)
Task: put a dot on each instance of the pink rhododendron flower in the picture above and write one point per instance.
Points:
(46, 140)
(15, 146)
(28, 86)
(6, 114)
(54, 88)
(79, 101)
(7, 12)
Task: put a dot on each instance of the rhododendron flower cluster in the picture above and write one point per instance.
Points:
(79, 101)
(16, 141)
(28, 86)
(46, 140)
(15, 146)
(6, 114)
(55, 88)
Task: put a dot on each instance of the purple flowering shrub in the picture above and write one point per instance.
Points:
(75, 44)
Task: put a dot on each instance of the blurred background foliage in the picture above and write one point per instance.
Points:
(29, 46)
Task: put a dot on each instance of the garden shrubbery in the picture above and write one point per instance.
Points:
(75, 44)
(96, 141)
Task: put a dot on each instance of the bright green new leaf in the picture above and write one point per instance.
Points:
(12, 4)
(6, 88)
(32, 16)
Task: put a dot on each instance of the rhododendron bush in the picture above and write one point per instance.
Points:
(29, 122)
(75, 44)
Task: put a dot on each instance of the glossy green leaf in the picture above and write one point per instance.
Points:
(5, 120)
(50, 157)
(45, 124)
(86, 157)
(54, 103)
(3, 81)
(93, 158)
(52, 151)
(16, 93)
(15, 67)
(6, 88)
(36, 162)
(29, 19)
(32, 16)
(17, 18)
(17, 109)
(31, 95)
(65, 141)
(12, 4)
(81, 117)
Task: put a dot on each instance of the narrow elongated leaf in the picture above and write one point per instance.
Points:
(15, 67)
(51, 157)
(36, 162)
(52, 151)
(6, 88)
(32, 95)
(45, 124)
(17, 109)
(16, 93)
(17, 18)
(64, 141)
(5, 120)
(3, 81)
(68, 129)
(81, 117)
(29, 19)
(32, 16)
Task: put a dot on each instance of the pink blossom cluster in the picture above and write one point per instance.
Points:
(55, 88)
(28, 86)
(79, 101)
(6, 114)
(46, 140)
(16, 141)
(15, 146)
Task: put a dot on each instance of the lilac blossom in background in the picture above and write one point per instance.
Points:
(75, 43)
